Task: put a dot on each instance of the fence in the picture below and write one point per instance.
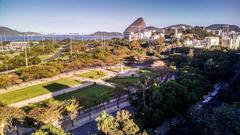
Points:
(88, 115)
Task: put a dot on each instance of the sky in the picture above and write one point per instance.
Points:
(88, 16)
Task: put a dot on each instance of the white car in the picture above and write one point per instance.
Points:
(205, 101)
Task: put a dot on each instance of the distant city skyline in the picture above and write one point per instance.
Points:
(88, 16)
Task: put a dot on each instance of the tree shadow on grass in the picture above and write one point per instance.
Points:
(55, 87)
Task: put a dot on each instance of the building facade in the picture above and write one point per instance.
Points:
(211, 41)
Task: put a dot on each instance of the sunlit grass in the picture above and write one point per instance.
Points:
(37, 90)
(93, 74)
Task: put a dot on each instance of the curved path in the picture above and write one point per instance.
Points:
(54, 56)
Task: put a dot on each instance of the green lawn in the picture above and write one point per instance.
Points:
(119, 69)
(94, 74)
(36, 90)
(147, 71)
(124, 80)
(44, 57)
(87, 96)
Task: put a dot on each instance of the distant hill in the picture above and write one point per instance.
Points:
(178, 26)
(10, 32)
(153, 28)
(30, 33)
(220, 27)
(102, 33)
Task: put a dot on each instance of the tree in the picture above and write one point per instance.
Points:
(9, 117)
(165, 101)
(49, 130)
(160, 40)
(46, 115)
(134, 45)
(118, 92)
(122, 124)
(196, 83)
(105, 124)
(176, 99)
(71, 107)
(126, 123)
(144, 82)
(223, 120)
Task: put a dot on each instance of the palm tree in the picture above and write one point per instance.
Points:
(144, 81)
(71, 109)
(118, 92)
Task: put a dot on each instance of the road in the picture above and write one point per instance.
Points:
(209, 97)
(60, 51)
(164, 127)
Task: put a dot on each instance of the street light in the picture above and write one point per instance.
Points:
(42, 39)
(70, 38)
(25, 49)
(2, 43)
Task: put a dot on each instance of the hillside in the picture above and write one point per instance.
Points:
(220, 27)
(10, 32)
(136, 26)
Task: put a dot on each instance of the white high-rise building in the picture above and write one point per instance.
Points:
(147, 34)
(234, 42)
(211, 41)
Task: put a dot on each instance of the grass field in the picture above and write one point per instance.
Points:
(94, 74)
(147, 71)
(36, 90)
(87, 96)
(119, 69)
(124, 80)
(44, 57)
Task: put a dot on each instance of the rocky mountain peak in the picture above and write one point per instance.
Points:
(136, 26)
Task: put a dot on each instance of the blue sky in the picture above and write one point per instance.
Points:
(87, 16)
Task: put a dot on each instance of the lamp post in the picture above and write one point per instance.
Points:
(70, 43)
(25, 50)
(1, 43)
